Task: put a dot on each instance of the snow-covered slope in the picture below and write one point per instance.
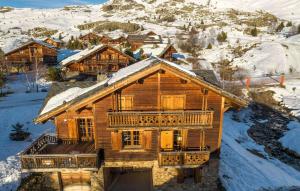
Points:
(286, 9)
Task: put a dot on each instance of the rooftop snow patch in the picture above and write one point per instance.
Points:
(67, 96)
(80, 55)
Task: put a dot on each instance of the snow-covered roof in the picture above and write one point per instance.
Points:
(86, 52)
(41, 42)
(80, 55)
(76, 94)
(54, 39)
(153, 49)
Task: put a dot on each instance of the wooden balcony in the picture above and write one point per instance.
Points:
(183, 158)
(161, 119)
(48, 154)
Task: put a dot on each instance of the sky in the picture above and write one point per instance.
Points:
(46, 3)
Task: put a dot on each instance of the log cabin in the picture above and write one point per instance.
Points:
(112, 41)
(138, 40)
(153, 117)
(164, 51)
(33, 52)
(89, 37)
(54, 42)
(100, 59)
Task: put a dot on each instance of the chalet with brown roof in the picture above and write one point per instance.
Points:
(164, 51)
(112, 41)
(138, 40)
(153, 119)
(54, 42)
(29, 54)
(89, 37)
(100, 59)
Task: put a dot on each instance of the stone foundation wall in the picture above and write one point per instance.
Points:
(165, 179)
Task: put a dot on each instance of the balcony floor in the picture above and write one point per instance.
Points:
(79, 148)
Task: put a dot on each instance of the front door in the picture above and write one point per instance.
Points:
(166, 140)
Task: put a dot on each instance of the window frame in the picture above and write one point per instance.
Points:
(89, 130)
(132, 140)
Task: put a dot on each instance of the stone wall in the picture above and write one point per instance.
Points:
(165, 179)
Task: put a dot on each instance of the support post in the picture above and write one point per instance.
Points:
(60, 182)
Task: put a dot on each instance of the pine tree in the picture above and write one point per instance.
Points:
(222, 36)
(209, 46)
(254, 32)
(60, 36)
(280, 27)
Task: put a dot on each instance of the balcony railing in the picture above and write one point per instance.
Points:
(35, 159)
(182, 119)
(183, 158)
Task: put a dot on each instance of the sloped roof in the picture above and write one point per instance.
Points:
(74, 95)
(87, 52)
(154, 49)
(54, 39)
(31, 41)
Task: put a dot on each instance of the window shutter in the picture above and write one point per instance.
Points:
(147, 139)
(116, 140)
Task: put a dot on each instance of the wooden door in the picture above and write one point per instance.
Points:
(173, 102)
(166, 140)
(126, 103)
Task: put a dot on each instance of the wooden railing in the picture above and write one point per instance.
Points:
(58, 161)
(33, 158)
(39, 143)
(182, 158)
(195, 119)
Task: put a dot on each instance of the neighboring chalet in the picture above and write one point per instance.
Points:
(27, 55)
(89, 37)
(164, 51)
(100, 59)
(138, 40)
(54, 42)
(154, 119)
(112, 41)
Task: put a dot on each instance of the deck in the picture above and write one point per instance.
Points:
(160, 119)
(49, 154)
(183, 159)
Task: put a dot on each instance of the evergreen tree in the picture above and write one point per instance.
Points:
(289, 24)
(222, 36)
(254, 32)
(280, 27)
(60, 36)
(209, 46)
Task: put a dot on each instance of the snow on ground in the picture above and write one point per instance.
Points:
(17, 107)
(287, 9)
(240, 170)
(290, 95)
(291, 138)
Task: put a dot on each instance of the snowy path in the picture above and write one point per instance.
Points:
(17, 107)
(241, 170)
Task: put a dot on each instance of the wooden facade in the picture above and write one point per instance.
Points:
(28, 55)
(103, 60)
(54, 42)
(157, 114)
(112, 41)
(87, 38)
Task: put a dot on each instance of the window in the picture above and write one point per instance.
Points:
(126, 103)
(85, 129)
(131, 139)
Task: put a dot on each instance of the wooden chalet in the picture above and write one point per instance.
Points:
(100, 59)
(89, 37)
(112, 41)
(138, 40)
(153, 115)
(25, 57)
(54, 42)
(164, 51)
